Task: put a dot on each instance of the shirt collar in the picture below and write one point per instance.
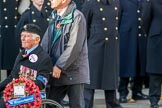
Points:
(31, 49)
(63, 11)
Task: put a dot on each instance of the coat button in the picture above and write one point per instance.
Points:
(6, 18)
(116, 38)
(116, 8)
(15, 8)
(101, 9)
(70, 78)
(48, 19)
(106, 38)
(34, 20)
(105, 28)
(5, 9)
(139, 19)
(103, 19)
(48, 3)
(6, 26)
(116, 28)
(138, 11)
(139, 35)
(15, 26)
(139, 27)
(98, 0)
(15, 17)
(4, 1)
(32, 12)
(116, 18)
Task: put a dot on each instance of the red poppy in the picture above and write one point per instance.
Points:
(58, 25)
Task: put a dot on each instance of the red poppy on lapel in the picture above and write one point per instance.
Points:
(58, 25)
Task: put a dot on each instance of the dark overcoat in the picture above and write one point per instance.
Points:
(132, 39)
(43, 66)
(8, 21)
(103, 43)
(33, 15)
(79, 3)
(152, 21)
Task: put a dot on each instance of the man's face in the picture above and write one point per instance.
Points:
(38, 2)
(28, 40)
(55, 4)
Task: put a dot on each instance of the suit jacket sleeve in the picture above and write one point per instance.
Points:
(75, 43)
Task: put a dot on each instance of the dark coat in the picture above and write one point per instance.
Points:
(47, 5)
(132, 39)
(79, 3)
(103, 43)
(8, 20)
(152, 21)
(33, 15)
(67, 47)
(43, 66)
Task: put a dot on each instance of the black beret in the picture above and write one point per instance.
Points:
(32, 28)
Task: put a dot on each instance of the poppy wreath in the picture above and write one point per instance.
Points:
(30, 89)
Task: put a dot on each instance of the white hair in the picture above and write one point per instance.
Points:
(34, 36)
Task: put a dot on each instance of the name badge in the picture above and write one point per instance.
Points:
(19, 90)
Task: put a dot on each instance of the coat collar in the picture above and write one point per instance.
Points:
(37, 12)
(35, 51)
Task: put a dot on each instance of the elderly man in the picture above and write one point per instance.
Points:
(66, 42)
(34, 59)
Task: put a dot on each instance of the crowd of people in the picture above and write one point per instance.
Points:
(87, 45)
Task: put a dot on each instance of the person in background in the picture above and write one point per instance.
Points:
(152, 22)
(32, 57)
(79, 3)
(66, 42)
(103, 50)
(8, 19)
(132, 51)
(38, 14)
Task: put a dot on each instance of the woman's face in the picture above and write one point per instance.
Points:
(55, 4)
(38, 2)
